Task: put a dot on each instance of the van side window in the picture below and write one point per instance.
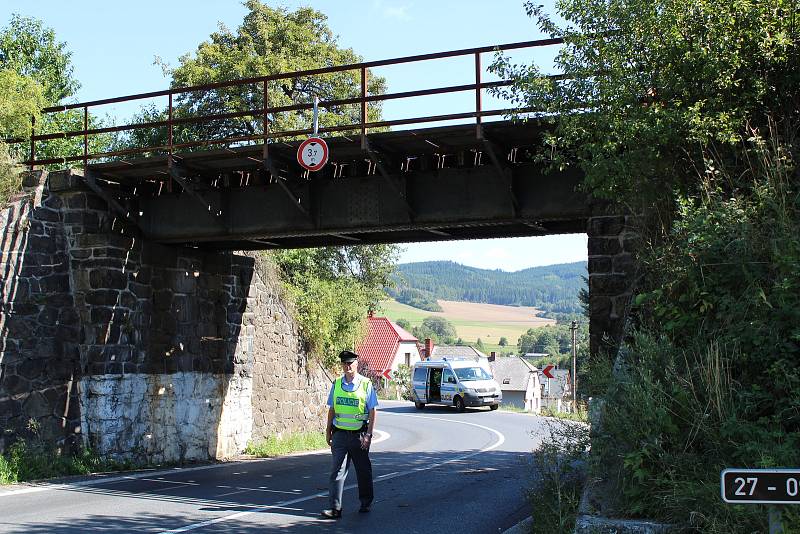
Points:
(420, 374)
(448, 377)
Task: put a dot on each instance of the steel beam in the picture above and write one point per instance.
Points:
(450, 203)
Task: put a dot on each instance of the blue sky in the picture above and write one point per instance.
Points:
(114, 45)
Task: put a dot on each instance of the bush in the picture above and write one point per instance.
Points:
(559, 462)
(402, 380)
(712, 376)
(10, 176)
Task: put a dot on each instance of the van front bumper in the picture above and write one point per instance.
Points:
(474, 401)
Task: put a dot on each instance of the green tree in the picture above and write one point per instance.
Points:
(689, 107)
(333, 289)
(439, 329)
(503, 341)
(30, 49)
(402, 379)
(405, 324)
(33, 53)
(269, 41)
(649, 85)
(20, 99)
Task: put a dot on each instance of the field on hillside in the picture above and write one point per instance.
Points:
(489, 322)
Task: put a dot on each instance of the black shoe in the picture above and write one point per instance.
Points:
(364, 509)
(332, 514)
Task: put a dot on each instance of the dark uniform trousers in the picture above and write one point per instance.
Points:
(346, 446)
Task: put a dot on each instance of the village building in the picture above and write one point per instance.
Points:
(520, 383)
(556, 391)
(386, 346)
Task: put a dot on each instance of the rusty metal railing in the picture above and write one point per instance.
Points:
(363, 100)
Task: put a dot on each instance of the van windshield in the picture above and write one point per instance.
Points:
(472, 373)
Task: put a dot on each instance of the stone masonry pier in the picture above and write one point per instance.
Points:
(137, 350)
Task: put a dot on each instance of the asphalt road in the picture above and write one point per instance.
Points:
(435, 470)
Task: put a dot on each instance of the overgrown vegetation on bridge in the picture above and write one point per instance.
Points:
(687, 112)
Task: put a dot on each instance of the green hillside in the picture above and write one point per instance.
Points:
(553, 288)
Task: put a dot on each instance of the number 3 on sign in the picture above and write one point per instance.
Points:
(312, 154)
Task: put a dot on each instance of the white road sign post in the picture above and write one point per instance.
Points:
(312, 154)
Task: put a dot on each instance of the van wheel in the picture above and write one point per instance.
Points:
(459, 403)
(494, 406)
(418, 405)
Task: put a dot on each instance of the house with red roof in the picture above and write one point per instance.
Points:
(386, 346)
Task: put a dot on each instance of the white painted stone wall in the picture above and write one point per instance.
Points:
(168, 417)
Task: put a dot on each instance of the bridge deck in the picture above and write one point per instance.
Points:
(416, 185)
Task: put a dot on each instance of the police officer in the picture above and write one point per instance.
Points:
(351, 419)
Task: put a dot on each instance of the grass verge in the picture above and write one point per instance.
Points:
(512, 408)
(580, 415)
(29, 460)
(279, 446)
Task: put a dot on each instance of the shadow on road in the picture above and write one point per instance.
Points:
(288, 493)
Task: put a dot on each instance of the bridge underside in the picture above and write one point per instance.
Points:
(423, 185)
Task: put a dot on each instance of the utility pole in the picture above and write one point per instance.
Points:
(574, 328)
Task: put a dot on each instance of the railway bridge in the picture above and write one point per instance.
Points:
(123, 276)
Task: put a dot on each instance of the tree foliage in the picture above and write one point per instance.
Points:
(333, 288)
(553, 288)
(31, 50)
(269, 41)
(37, 71)
(416, 298)
(650, 85)
(439, 329)
(20, 99)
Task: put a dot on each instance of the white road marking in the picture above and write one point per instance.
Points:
(382, 436)
(500, 440)
(163, 481)
(109, 480)
(231, 493)
(46, 486)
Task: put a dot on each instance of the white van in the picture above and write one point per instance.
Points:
(459, 383)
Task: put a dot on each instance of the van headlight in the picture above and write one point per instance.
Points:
(470, 391)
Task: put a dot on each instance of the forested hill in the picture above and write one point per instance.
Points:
(553, 288)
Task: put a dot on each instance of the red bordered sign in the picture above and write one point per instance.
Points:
(312, 154)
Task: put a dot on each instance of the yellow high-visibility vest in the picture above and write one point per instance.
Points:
(350, 406)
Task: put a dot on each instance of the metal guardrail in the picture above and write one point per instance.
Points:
(361, 126)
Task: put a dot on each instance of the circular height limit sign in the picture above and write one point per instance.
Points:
(312, 153)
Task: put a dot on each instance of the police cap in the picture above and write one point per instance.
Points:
(348, 356)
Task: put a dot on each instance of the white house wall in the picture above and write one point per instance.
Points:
(400, 355)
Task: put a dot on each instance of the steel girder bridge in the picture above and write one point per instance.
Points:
(240, 192)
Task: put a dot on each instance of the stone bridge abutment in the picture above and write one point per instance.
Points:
(138, 350)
